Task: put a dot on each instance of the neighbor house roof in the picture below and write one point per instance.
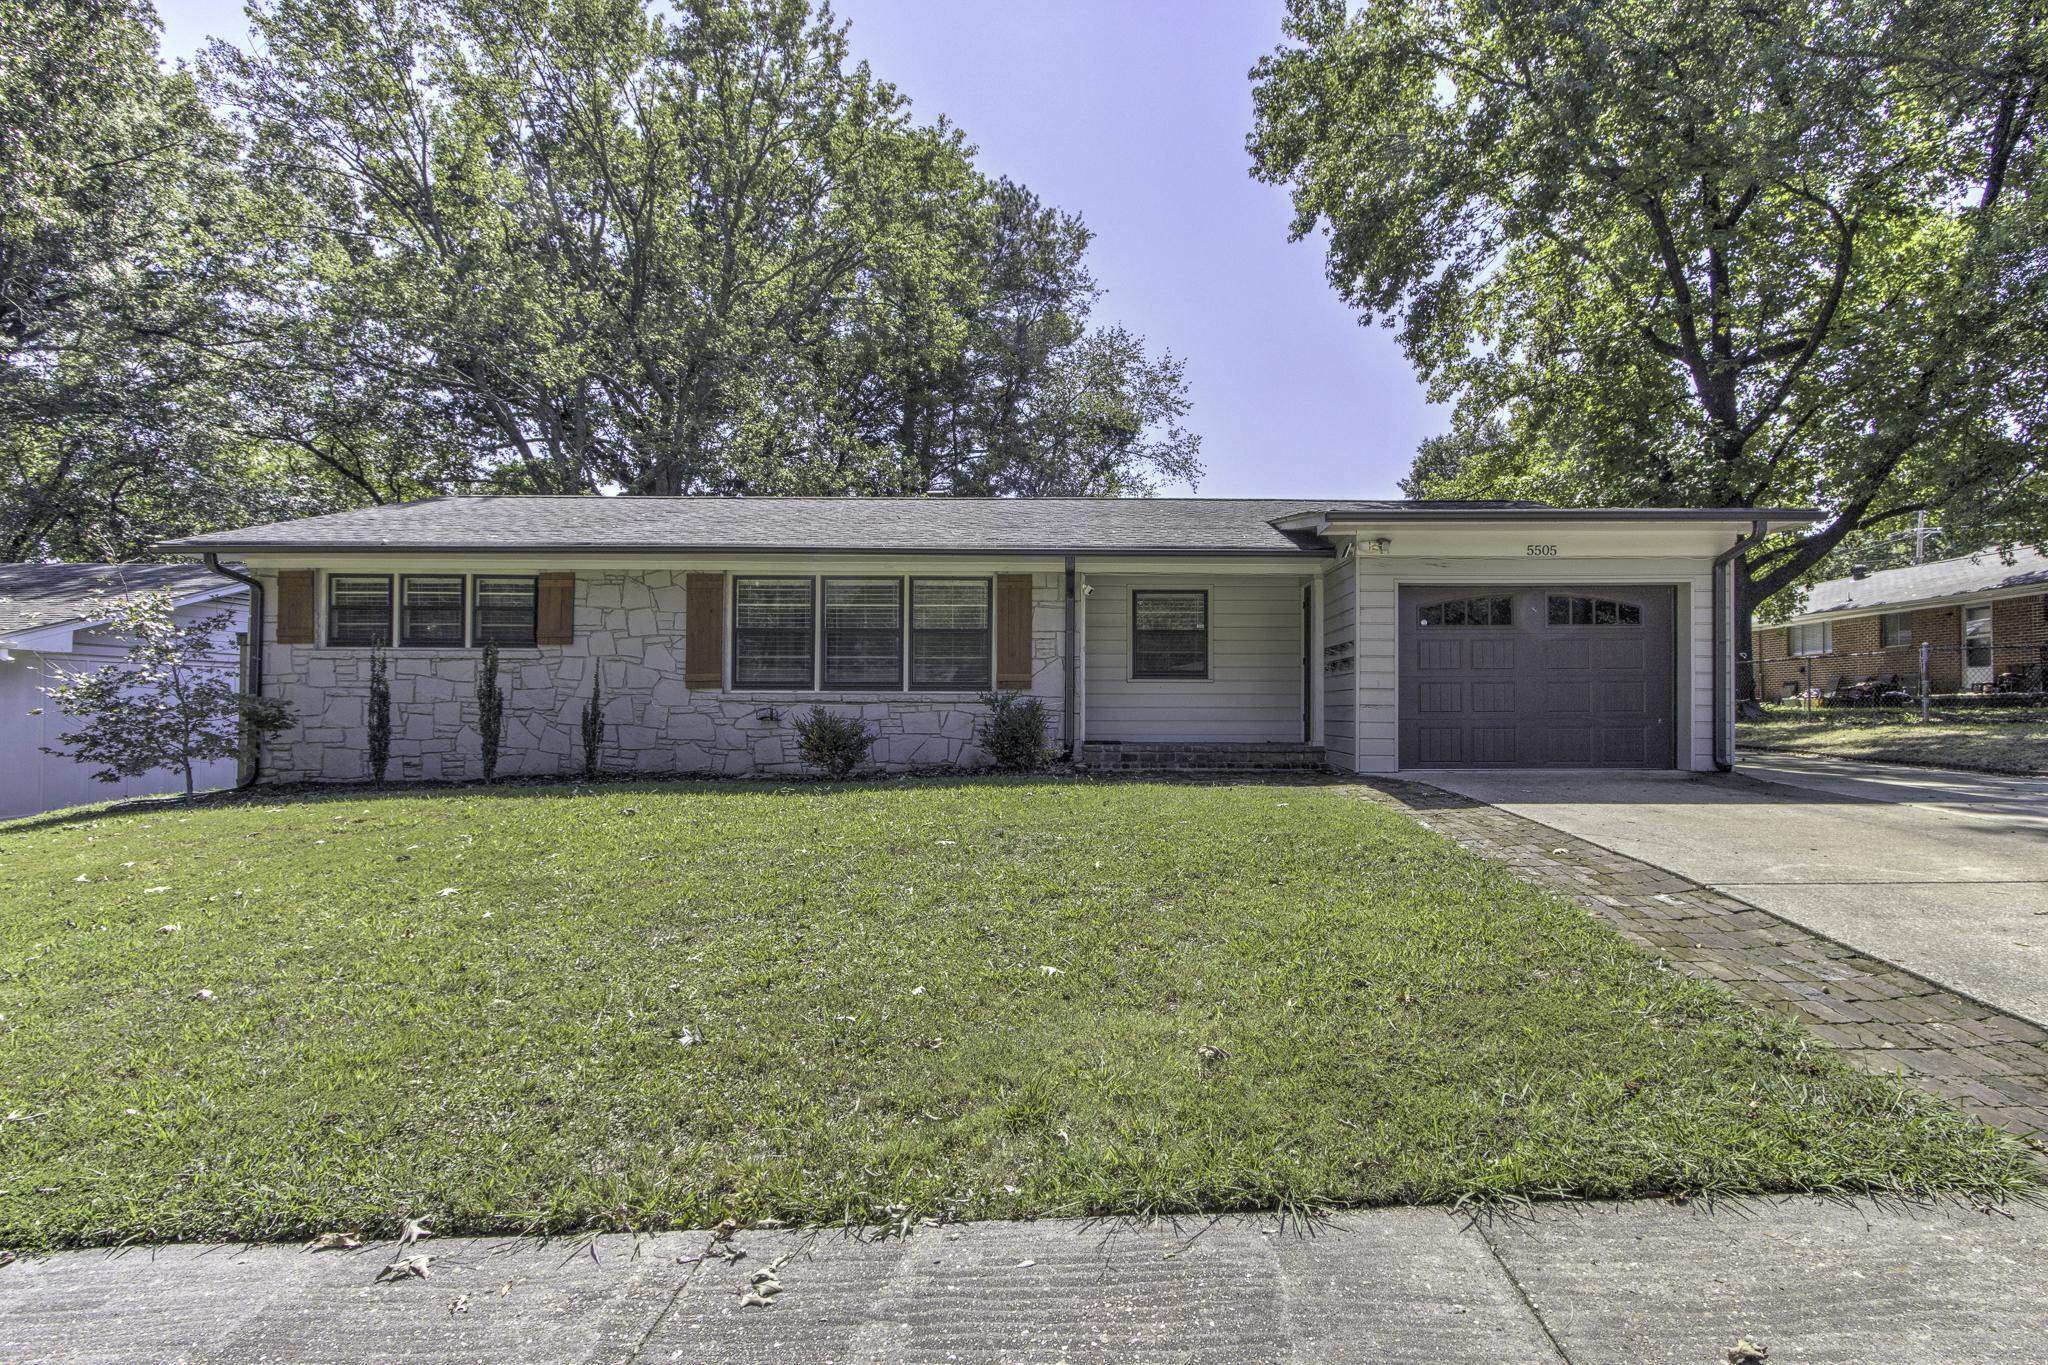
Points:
(1983, 572)
(908, 525)
(38, 596)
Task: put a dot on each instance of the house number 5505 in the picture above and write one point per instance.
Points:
(1541, 551)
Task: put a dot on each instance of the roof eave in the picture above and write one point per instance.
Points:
(190, 547)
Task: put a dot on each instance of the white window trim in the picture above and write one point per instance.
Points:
(1131, 673)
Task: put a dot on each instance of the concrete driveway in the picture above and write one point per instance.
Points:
(1942, 873)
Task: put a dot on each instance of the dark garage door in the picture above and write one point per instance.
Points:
(1537, 677)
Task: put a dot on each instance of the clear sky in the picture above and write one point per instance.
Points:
(1134, 113)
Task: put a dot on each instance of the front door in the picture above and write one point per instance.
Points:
(1976, 648)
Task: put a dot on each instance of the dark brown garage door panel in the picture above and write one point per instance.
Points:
(1575, 677)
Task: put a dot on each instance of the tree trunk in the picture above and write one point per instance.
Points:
(1748, 684)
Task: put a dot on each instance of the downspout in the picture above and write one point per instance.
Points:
(1724, 646)
(255, 587)
(1067, 654)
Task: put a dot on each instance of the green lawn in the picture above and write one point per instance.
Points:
(1983, 741)
(981, 998)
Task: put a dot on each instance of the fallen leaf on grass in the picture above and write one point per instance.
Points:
(154, 890)
(406, 1267)
(8, 1258)
(412, 1230)
(170, 928)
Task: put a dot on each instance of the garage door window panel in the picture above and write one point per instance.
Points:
(1593, 611)
(1469, 611)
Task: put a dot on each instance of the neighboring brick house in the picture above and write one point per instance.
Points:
(1984, 620)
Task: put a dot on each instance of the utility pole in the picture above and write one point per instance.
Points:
(1919, 537)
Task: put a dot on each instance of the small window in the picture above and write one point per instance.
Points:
(1593, 611)
(505, 610)
(864, 632)
(771, 633)
(430, 611)
(1815, 637)
(1470, 611)
(951, 645)
(359, 609)
(1170, 635)
(1895, 628)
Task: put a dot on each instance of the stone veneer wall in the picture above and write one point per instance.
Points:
(630, 629)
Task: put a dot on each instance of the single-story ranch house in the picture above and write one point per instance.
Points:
(1984, 618)
(1159, 632)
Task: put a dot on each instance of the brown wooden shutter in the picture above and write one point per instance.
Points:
(704, 624)
(555, 612)
(295, 606)
(1013, 630)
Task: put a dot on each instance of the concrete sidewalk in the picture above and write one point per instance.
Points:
(1812, 1280)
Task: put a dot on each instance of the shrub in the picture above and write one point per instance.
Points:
(834, 745)
(1014, 734)
(379, 728)
(593, 726)
(490, 709)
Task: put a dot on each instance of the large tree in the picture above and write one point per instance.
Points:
(563, 245)
(1722, 253)
(115, 185)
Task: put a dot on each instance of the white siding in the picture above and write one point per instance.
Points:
(1340, 665)
(37, 781)
(1253, 692)
(1378, 734)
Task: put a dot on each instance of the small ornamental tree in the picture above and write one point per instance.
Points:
(490, 709)
(380, 717)
(593, 727)
(171, 704)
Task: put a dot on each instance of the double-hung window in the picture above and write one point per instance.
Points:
(430, 611)
(864, 633)
(951, 640)
(359, 609)
(1895, 628)
(506, 610)
(1170, 634)
(1815, 637)
(772, 633)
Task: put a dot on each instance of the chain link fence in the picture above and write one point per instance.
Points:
(1966, 676)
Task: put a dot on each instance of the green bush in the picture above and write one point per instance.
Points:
(490, 709)
(1014, 734)
(379, 728)
(593, 726)
(834, 745)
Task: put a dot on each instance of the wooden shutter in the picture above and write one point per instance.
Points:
(1013, 630)
(704, 624)
(295, 606)
(554, 621)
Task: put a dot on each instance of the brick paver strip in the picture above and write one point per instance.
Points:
(1880, 1017)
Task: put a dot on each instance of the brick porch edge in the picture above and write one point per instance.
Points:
(1880, 1017)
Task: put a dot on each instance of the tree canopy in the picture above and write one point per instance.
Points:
(116, 185)
(1722, 253)
(391, 248)
(566, 245)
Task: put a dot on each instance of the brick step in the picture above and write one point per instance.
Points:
(1170, 757)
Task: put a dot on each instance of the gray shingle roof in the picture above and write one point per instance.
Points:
(33, 596)
(921, 525)
(1981, 572)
